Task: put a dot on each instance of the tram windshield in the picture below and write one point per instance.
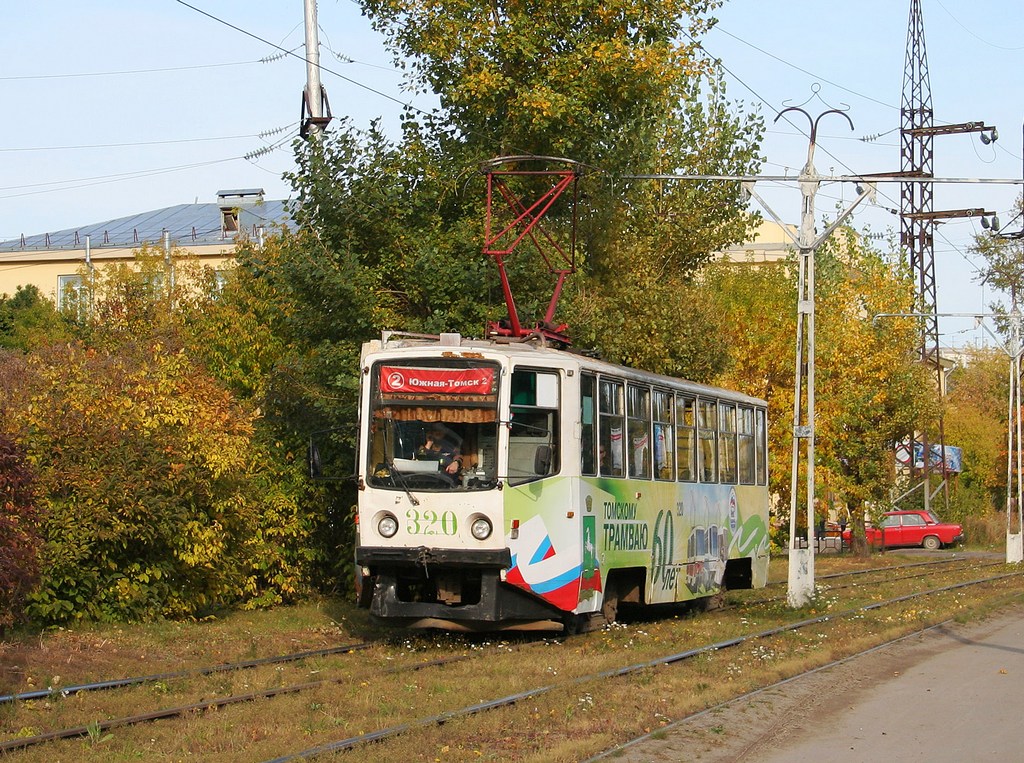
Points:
(434, 425)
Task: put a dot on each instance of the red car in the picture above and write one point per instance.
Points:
(911, 528)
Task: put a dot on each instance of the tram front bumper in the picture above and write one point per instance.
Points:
(451, 588)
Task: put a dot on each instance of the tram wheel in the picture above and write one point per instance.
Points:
(610, 606)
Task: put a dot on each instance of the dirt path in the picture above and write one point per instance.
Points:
(954, 694)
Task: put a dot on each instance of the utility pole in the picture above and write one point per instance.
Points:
(801, 556)
(316, 110)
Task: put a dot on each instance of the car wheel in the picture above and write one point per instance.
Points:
(931, 543)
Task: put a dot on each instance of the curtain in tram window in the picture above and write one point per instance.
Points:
(447, 415)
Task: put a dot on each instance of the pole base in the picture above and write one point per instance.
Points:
(1014, 548)
(801, 577)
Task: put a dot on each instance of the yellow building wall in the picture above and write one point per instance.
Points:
(43, 269)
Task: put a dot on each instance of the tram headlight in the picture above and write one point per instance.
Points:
(387, 525)
(481, 528)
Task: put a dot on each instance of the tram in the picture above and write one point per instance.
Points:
(511, 485)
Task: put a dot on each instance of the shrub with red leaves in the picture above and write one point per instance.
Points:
(19, 531)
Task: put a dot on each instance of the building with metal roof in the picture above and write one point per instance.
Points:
(208, 231)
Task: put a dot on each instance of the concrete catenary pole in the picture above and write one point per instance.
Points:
(315, 111)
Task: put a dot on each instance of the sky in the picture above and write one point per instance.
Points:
(116, 108)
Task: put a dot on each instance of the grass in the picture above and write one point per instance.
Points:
(575, 719)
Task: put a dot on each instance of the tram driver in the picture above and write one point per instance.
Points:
(438, 447)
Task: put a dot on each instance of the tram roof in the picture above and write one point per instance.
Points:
(402, 344)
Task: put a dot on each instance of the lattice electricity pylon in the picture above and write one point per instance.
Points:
(526, 224)
(916, 199)
(917, 214)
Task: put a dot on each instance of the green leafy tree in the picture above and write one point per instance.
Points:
(28, 320)
(165, 489)
(609, 86)
(756, 306)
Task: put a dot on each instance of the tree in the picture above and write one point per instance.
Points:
(163, 493)
(609, 86)
(158, 499)
(874, 392)
(28, 320)
(869, 389)
(756, 306)
(975, 420)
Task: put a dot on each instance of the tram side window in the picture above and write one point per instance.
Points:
(639, 445)
(707, 436)
(610, 430)
(727, 443)
(664, 439)
(761, 444)
(533, 449)
(686, 438)
(588, 443)
(746, 445)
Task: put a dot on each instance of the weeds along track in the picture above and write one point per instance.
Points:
(833, 582)
(588, 693)
(598, 680)
(120, 683)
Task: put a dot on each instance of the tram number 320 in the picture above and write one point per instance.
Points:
(430, 522)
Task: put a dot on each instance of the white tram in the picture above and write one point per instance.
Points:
(554, 487)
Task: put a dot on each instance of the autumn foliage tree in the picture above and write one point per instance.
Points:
(162, 489)
(975, 421)
(870, 390)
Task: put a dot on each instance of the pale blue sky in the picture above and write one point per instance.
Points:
(117, 107)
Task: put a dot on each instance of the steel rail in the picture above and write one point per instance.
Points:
(898, 578)
(18, 743)
(876, 570)
(119, 683)
(615, 751)
(442, 718)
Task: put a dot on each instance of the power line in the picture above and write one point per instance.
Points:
(804, 71)
(139, 143)
(133, 71)
(973, 34)
(302, 58)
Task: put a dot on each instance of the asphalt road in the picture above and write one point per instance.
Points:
(954, 694)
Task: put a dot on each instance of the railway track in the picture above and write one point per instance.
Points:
(128, 681)
(384, 733)
(379, 735)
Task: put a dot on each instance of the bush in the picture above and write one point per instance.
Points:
(19, 537)
(160, 501)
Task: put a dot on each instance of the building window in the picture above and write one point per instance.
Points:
(71, 295)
